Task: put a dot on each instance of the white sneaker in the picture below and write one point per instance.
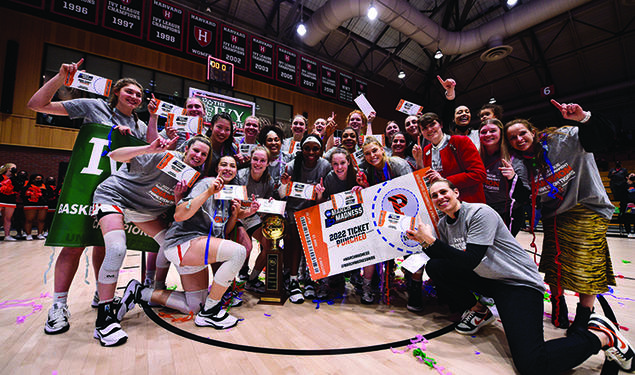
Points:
(129, 298)
(29, 238)
(9, 238)
(472, 321)
(107, 329)
(40, 237)
(57, 321)
(216, 318)
(295, 293)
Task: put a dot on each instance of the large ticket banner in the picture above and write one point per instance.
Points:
(350, 236)
(72, 226)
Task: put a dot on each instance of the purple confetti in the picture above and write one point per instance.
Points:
(267, 314)
(477, 352)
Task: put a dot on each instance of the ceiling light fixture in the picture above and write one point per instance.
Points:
(492, 100)
(301, 30)
(511, 3)
(372, 12)
(401, 74)
(438, 55)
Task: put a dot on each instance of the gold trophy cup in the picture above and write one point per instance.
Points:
(273, 229)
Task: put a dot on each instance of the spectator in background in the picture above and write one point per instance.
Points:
(35, 199)
(490, 111)
(628, 215)
(617, 177)
(8, 194)
(53, 196)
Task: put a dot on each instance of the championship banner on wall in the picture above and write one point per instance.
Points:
(72, 226)
(345, 234)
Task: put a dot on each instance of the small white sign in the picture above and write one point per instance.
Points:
(271, 206)
(364, 105)
(89, 82)
(164, 108)
(177, 169)
(409, 108)
(300, 190)
(186, 124)
(230, 192)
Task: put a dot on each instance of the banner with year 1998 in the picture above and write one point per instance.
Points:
(72, 226)
(349, 236)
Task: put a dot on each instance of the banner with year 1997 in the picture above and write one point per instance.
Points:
(354, 234)
(72, 226)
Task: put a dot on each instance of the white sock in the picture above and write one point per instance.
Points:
(210, 303)
(60, 298)
(146, 294)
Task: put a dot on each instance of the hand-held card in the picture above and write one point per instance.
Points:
(89, 82)
(176, 168)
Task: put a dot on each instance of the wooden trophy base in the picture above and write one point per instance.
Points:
(275, 293)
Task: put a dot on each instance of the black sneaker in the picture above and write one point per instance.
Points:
(255, 286)
(57, 321)
(415, 298)
(130, 297)
(295, 293)
(216, 318)
(231, 298)
(107, 328)
(309, 290)
(472, 321)
(619, 349)
(243, 274)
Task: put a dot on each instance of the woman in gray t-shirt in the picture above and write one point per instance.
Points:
(139, 194)
(475, 251)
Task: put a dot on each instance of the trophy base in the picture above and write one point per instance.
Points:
(270, 299)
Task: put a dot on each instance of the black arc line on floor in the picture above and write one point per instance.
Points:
(303, 352)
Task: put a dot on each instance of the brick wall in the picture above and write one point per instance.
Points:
(34, 160)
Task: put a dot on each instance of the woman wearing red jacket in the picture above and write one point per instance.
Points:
(7, 197)
(35, 198)
(454, 158)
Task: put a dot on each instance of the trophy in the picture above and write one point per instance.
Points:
(273, 229)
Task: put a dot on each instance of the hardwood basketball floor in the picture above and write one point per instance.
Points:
(345, 324)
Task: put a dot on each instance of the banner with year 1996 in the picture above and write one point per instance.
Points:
(344, 234)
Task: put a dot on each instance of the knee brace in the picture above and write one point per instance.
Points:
(195, 300)
(233, 256)
(162, 261)
(115, 242)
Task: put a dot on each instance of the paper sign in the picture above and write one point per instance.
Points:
(177, 169)
(347, 198)
(409, 108)
(245, 148)
(394, 221)
(271, 206)
(89, 82)
(293, 147)
(300, 190)
(186, 124)
(364, 105)
(359, 156)
(230, 192)
(414, 262)
(164, 108)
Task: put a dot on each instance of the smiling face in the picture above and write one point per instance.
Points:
(194, 107)
(251, 127)
(355, 121)
(221, 131)
(227, 168)
(320, 126)
(490, 136)
(349, 139)
(339, 163)
(433, 132)
(462, 116)
(486, 114)
(128, 98)
(273, 142)
(445, 198)
(196, 154)
(412, 126)
(398, 144)
(259, 162)
(374, 155)
(520, 137)
(298, 126)
(391, 129)
(311, 152)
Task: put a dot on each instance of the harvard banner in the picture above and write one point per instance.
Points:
(355, 230)
(72, 226)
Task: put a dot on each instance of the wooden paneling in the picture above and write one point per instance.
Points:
(33, 33)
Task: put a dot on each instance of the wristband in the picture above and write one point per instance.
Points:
(587, 116)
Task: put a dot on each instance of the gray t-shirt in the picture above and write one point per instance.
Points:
(308, 176)
(576, 177)
(277, 167)
(261, 189)
(199, 224)
(333, 185)
(98, 111)
(139, 186)
(505, 259)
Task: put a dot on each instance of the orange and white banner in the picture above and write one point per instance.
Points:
(336, 240)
